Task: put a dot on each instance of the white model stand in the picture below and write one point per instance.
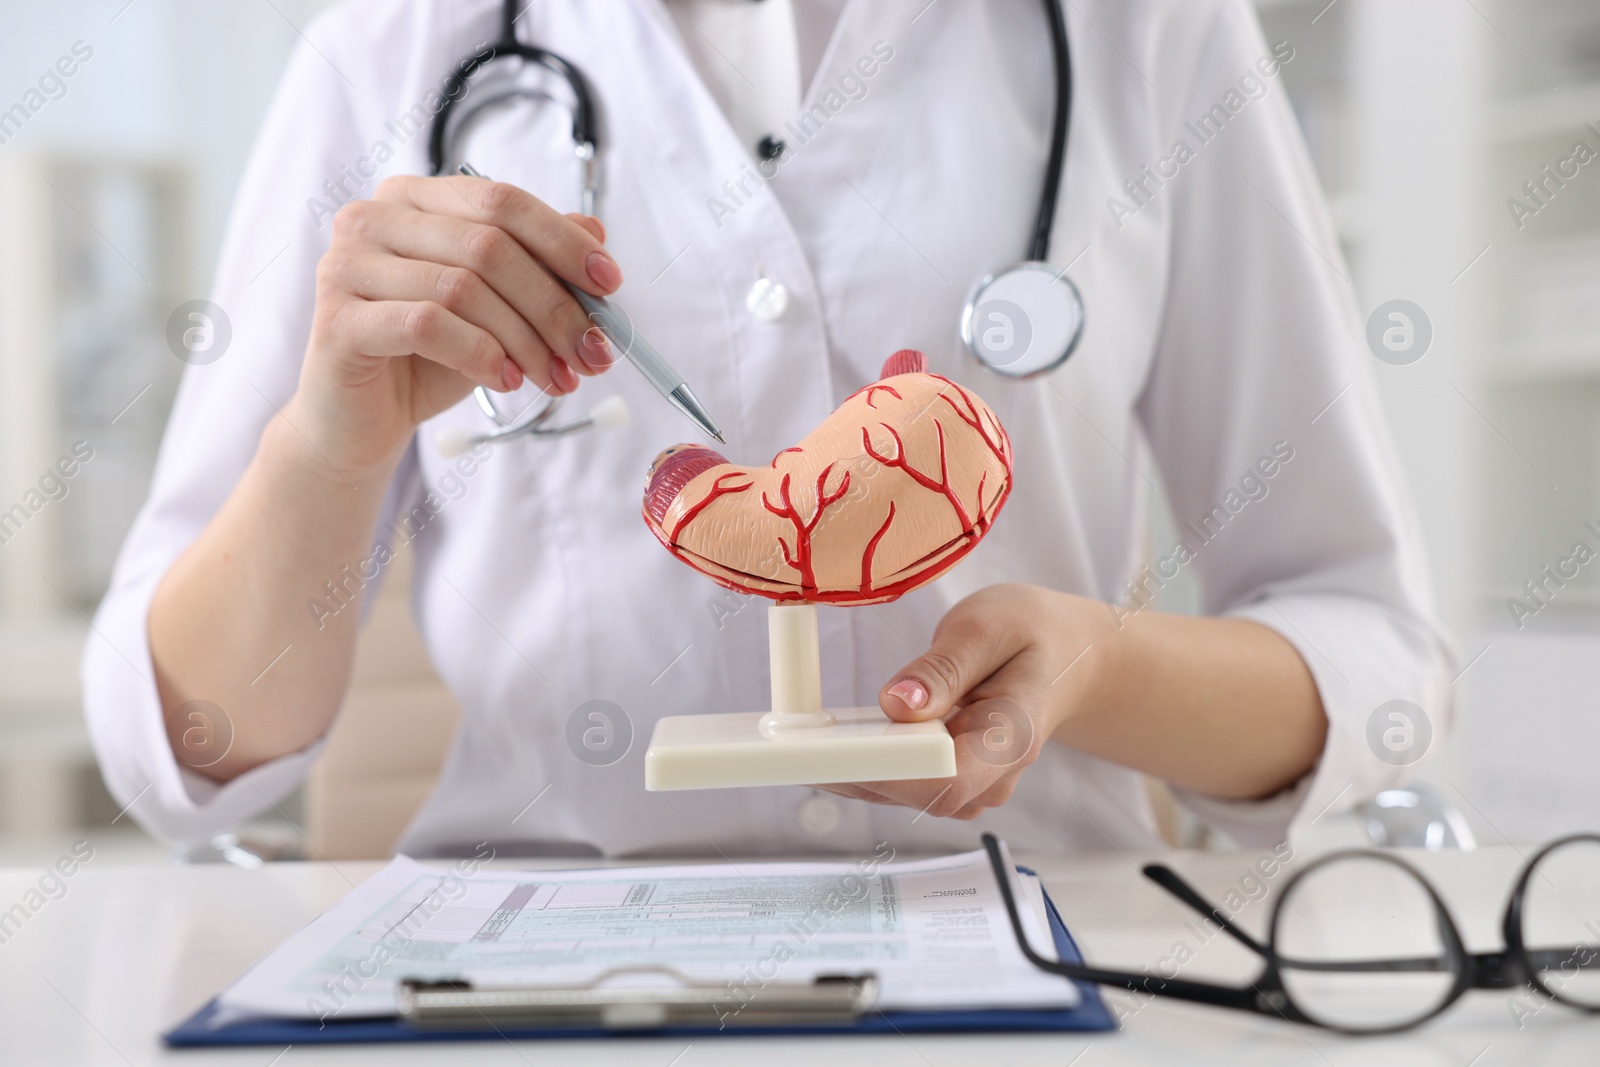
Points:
(798, 742)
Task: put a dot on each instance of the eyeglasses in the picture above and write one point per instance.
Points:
(1359, 941)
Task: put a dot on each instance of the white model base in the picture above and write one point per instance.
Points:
(798, 742)
(732, 751)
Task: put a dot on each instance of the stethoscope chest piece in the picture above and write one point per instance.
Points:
(1023, 321)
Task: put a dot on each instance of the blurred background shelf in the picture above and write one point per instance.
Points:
(1574, 364)
(1550, 113)
(1422, 119)
(113, 198)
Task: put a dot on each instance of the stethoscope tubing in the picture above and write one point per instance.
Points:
(586, 140)
(585, 135)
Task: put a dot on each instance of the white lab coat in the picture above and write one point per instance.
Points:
(1219, 325)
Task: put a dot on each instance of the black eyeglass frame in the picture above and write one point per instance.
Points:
(1267, 995)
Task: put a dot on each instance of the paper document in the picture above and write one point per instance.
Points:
(934, 932)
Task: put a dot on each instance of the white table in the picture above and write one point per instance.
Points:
(95, 976)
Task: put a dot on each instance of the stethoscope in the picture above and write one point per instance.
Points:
(1026, 320)
(1019, 322)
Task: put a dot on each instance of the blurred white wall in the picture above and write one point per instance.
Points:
(113, 195)
(1426, 118)
(181, 80)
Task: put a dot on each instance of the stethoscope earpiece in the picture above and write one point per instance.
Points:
(454, 442)
(610, 414)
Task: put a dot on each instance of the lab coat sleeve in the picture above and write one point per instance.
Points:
(264, 285)
(1261, 365)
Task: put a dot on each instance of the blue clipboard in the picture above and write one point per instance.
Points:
(202, 1029)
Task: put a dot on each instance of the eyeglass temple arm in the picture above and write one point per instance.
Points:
(1168, 879)
(1240, 998)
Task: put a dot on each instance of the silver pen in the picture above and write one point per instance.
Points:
(618, 328)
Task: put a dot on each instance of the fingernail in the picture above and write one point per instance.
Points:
(511, 376)
(911, 692)
(563, 376)
(603, 270)
(601, 226)
(595, 349)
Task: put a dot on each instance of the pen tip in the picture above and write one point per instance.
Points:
(720, 439)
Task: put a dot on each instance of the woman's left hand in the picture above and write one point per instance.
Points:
(1015, 662)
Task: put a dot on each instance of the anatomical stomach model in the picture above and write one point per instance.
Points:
(898, 484)
(892, 490)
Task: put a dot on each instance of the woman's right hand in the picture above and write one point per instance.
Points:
(432, 287)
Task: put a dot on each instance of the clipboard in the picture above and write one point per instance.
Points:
(211, 1027)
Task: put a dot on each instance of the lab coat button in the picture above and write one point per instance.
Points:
(767, 300)
(820, 815)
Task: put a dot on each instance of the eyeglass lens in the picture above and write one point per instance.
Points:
(1362, 945)
(1561, 922)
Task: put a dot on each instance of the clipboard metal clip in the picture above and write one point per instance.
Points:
(617, 1001)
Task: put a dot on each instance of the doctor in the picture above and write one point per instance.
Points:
(1222, 364)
